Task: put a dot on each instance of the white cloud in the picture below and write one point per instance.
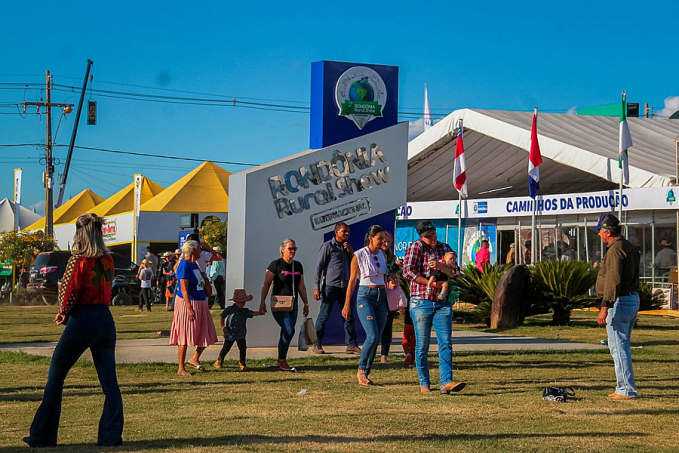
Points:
(38, 207)
(671, 106)
(415, 128)
(572, 111)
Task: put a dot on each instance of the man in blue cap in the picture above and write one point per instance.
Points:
(618, 287)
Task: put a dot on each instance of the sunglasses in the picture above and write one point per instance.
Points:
(377, 261)
(292, 249)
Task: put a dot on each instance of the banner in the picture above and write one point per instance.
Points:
(137, 202)
(638, 199)
(17, 196)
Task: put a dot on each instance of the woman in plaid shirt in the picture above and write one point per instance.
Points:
(426, 310)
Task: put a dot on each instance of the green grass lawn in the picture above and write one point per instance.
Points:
(501, 409)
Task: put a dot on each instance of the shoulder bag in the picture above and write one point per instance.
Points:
(284, 303)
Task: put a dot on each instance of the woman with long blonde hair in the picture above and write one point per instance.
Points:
(84, 297)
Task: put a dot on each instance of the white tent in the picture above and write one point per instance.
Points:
(26, 216)
(580, 154)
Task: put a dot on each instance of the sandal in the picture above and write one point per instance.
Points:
(199, 367)
(363, 379)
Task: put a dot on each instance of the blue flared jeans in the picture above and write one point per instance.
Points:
(286, 320)
(425, 314)
(89, 326)
(619, 322)
(372, 310)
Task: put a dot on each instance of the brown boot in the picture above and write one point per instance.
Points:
(452, 387)
(283, 365)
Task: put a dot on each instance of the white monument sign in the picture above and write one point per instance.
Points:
(302, 197)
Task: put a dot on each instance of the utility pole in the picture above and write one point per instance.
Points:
(48, 178)
(64, 176)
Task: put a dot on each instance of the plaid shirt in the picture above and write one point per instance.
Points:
(415, 265)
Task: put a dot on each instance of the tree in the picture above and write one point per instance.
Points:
(215, 233)
(22, 248)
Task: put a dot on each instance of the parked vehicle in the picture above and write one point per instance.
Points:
(49, 267)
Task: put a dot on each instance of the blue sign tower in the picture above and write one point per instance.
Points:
(349, 100)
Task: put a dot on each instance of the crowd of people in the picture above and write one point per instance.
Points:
(371, 272)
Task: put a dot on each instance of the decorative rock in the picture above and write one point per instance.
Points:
(509, 299)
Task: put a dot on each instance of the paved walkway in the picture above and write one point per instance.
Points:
(158, 350)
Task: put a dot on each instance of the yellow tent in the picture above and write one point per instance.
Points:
(205, 189)
(123, 201)
(69, 211)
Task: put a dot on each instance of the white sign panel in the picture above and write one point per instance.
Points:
(575, 203)
(302, 197)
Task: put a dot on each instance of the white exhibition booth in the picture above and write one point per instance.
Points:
(302, 197)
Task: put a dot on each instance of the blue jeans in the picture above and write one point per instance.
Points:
(286, 320)
(387, 333)
(372, 310)
(426, 313)
(332, 294)
(89, 326)
(619, 323)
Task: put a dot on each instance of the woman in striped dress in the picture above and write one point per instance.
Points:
(192, 324)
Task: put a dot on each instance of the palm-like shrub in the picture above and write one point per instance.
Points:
(478, 287)
(650, 298)
(563, 286)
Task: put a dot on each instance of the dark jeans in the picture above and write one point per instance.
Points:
(387, 333)
(332, 294)
(287, 320)
(220, 286)
(89, 326)
(145, 297)
(242, 349)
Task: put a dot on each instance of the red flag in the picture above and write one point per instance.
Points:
(460, 171)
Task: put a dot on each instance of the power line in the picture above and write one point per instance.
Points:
(131, 153)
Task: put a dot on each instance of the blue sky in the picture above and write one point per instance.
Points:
(491, 55)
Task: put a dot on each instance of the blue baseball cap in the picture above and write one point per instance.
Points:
(606, 221)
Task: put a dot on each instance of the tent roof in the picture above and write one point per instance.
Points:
(69, 211)
(26, 216)
(579, 152)
(123, 201)
(205, 189)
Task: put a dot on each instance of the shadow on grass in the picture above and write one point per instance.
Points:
(261, 440)
(80, 390)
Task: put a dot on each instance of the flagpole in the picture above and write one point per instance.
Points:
(532, 228)
(622, 169)
(532, 232)
(459, 214)
(459, 226)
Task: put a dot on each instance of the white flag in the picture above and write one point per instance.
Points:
(427, 112)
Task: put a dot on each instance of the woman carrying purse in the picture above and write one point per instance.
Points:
(287, 277)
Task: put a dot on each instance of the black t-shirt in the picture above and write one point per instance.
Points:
(283, 277)
(165, 267)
